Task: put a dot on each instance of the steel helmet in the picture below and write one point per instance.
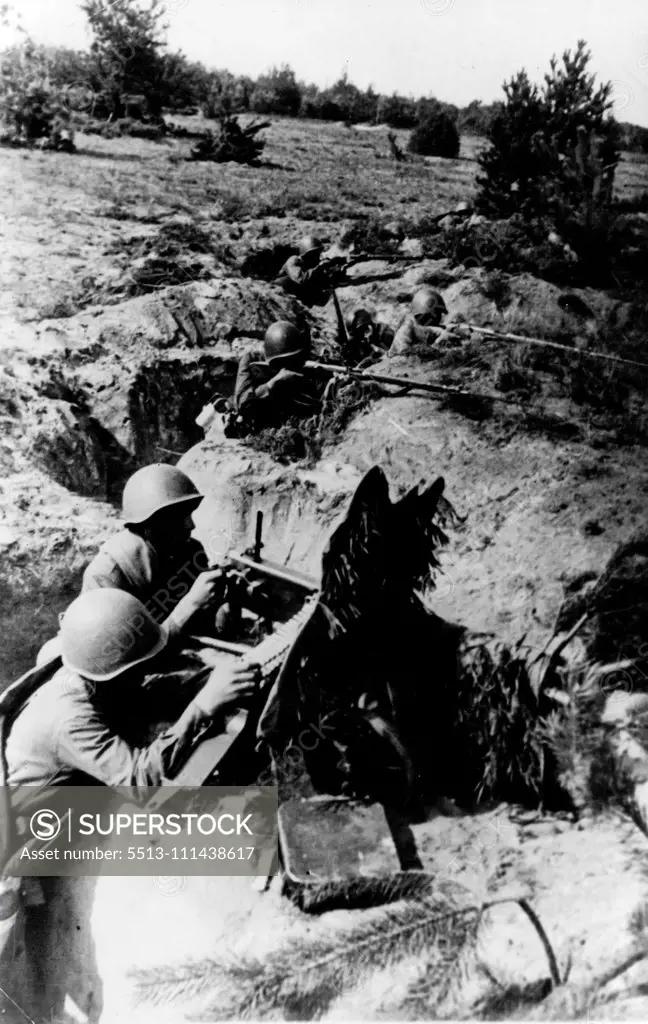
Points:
(156, 487)
(105, 632)
(283, 340)
(358, 317)
(428, 301)
(310, 243)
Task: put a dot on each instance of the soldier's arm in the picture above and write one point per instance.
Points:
(404, 338)
(85, 741)
(248, 387)
(103, 571)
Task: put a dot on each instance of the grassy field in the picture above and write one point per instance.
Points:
(67, 217)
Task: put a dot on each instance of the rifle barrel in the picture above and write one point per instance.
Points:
(543, 343)
(406, 382)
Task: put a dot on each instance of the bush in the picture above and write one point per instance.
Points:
(396, 111)
(553, 150)
(435, 135)
(32, 110)
(276, 92)
(231, 143)
(153, 130)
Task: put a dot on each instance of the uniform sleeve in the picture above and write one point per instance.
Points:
(404, 339)
(103, 571)
(293, 269)
(85, 742)
(249, 385)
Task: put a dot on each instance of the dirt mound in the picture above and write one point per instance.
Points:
(107, 390)
(299, 506)
(518, 303)
(47, 537)
(497, 300)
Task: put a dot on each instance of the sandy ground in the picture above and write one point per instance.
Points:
(538, 511)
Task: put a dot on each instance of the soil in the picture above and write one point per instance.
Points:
(89, 392)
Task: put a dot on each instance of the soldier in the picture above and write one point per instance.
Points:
(79, 728)
(271, 386)
(368, 338)
(154, 557)
(421, 329)
(69, 733)
(299, 274)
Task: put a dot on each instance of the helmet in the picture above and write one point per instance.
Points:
(428, 302)
(155, 487)
(357, 318)
(283, 339)
(105, 632)
(310, 244)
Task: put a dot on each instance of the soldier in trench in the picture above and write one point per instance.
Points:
(73, 731)
(154, 557)
(271, 386)
(423, 328)
(301, 275)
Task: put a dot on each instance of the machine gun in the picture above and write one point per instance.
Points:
(217, 760)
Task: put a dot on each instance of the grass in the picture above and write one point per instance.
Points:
(315, 177)
(305, 440)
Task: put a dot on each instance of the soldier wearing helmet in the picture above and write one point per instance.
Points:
(154, 557)
(271, 385)
(90, 724)
(301, 274)
(368, 338)
(65, 733)
(422, 327)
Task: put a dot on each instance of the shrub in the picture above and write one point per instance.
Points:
(553, 150)
(396, 111)
(32, 110)
(232, 142)
(435, 135)
(276, 92)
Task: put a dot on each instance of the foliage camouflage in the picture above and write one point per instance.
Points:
(469, 711)
(232, 142)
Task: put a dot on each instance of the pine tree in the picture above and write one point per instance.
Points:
(538, 162)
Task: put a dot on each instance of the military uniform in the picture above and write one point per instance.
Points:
(63, 736)
(158, 579)
(266, 396)
(411, 336)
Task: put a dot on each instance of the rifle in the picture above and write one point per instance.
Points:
(340, 263)
(491, 332)
(343, 334)
(406, 383)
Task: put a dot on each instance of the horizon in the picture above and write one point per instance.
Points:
(395, 47)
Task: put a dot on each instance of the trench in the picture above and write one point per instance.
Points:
(89, 441)
(91, 438)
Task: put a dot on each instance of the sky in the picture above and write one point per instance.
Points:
(456, 50)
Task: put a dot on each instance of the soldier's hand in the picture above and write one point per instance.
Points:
(207, 588)
(284, 377)
(229, 684)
